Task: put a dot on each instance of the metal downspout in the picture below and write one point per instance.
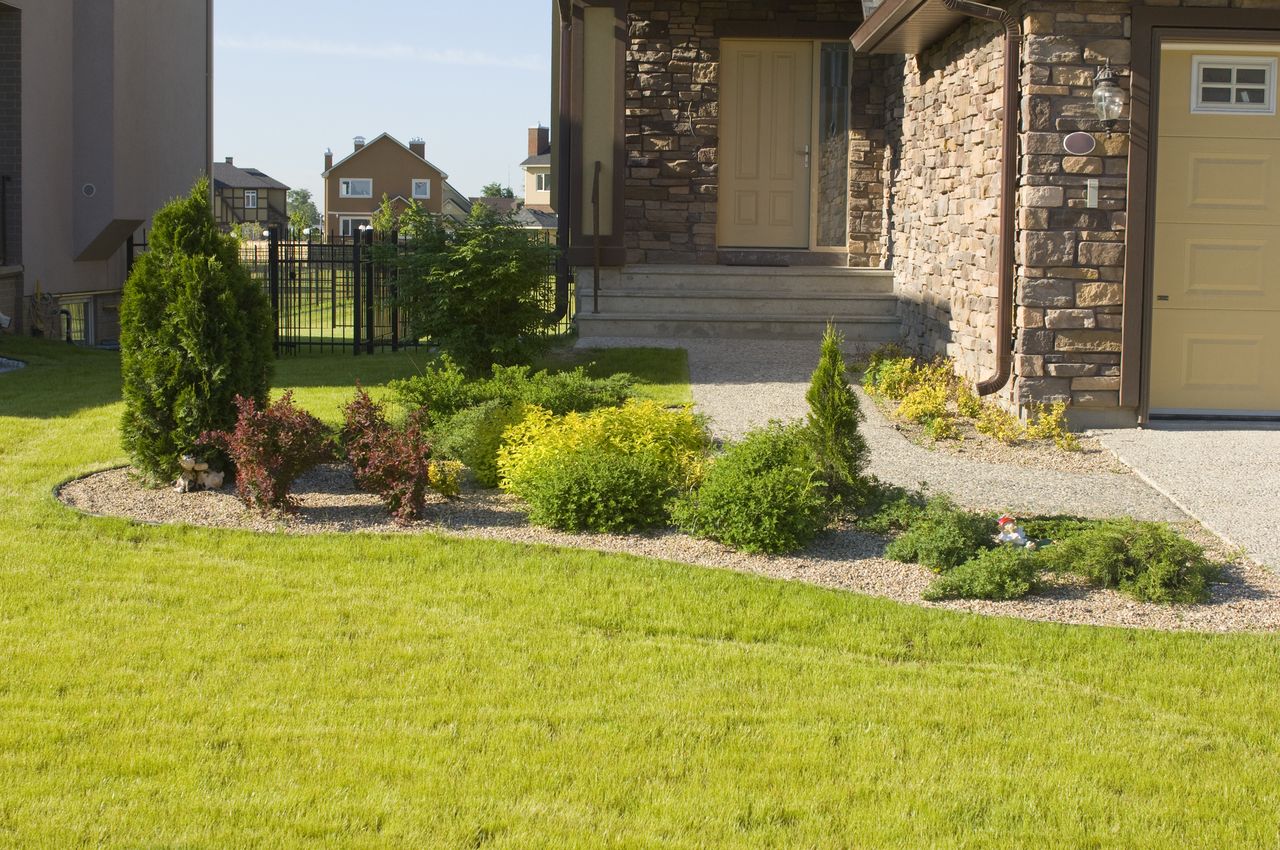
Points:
(561, 149)
(1008, 183)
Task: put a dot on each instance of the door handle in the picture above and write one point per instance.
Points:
(805, 150)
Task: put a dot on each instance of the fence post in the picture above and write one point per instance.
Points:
(355, 293)
(395, 291)
(273, 275)
(369, 304)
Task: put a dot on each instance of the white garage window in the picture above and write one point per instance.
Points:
(1231, 85)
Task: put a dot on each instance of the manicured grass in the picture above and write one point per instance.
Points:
(178, 687)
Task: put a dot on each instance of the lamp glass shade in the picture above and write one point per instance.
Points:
(1108, 101)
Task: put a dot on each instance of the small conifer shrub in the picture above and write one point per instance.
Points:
(834, 414)
(195, 333)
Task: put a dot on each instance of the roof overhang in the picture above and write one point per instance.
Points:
(905, 26)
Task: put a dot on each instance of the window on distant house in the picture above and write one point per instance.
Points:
(1228, 84)
(251, 199)
(75, 320)
(355, 187)
(421, 189)
(351, 226)
(543, 182)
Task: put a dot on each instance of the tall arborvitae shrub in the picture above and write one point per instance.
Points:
(834, 414)
(195, 332)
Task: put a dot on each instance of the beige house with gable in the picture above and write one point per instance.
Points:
(355, 185)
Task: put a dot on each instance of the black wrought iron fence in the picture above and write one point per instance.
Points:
(342, 295)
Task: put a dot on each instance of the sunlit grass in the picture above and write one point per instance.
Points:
(179, 687)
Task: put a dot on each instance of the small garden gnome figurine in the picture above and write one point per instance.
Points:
(1011, 532)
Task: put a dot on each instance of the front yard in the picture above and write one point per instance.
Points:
(174, 686)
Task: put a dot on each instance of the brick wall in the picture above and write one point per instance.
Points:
(11, 126)
(672, 120)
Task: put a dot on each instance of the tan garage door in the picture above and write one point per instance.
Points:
(1215, 343)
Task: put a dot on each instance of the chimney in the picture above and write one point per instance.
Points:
(359, 142)
(418, 146)
(231, 160)
(328, 158)
(539, 141)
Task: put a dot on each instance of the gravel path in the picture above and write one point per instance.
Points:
(1247, 598)
(1225, 475)
(741, 384)
(7, 365)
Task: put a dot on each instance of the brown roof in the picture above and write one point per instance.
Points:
(905, 26)
(500, 205)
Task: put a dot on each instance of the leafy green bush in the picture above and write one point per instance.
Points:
(889, 509)
(924, 403)
(195, 333)
(474, 435)
(443, 389)
(891, 378)
(1005, 572)
(942, 428)
(645, 455)
(763, 495)
(1050, 423)
(475, 288)
(1144, 559)
(944, 537)
(834, 413)
(968, 403)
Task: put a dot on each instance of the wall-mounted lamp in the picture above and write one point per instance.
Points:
(1108, 97)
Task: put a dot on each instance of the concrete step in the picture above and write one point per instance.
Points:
(859, 331)
(794, 280)
(710, 304)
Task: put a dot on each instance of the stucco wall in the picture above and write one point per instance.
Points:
(156, 131)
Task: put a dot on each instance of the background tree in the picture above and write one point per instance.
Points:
(195, 332)
(474, 287)
(302, 210)
(497, 190)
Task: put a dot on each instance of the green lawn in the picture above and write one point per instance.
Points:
(178, 687)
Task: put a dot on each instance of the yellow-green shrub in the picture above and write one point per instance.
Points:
(613, 469)
(942, 428)
(891, 378)
(968, 404)
(928, 401)
(999, 424)
(1050, 423)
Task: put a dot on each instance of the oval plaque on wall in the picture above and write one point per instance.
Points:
(1080, 144)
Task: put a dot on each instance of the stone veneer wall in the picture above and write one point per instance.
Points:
(941, 214)
(672, 125)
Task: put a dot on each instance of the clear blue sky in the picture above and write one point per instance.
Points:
(292, 77)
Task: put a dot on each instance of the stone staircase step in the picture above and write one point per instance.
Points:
(711, 304)
(858, 330)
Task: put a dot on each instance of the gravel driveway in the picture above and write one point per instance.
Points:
(1223, 474)
(741, 384)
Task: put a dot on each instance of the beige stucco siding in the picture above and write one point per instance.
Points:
(115, 93)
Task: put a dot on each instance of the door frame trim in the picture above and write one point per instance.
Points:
(1152, 26)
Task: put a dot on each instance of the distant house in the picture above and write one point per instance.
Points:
(457, 206)
(354, 186)
(246, 195)
(537, 169)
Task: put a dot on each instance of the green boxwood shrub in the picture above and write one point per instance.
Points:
(474, 435)
(889, 509)
(443, 389)
(589, 490)
(1147, 560)
(944, 537)
(764, 494)
(1005, 572)
(195, 333)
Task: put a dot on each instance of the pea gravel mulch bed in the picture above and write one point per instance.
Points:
(1247, 598)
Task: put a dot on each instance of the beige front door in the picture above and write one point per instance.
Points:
(1215, 344)
(766, 103)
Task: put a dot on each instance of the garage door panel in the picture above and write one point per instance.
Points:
(1177, 94)
(1230, 181)
(1215, 360)
(1218, 266)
